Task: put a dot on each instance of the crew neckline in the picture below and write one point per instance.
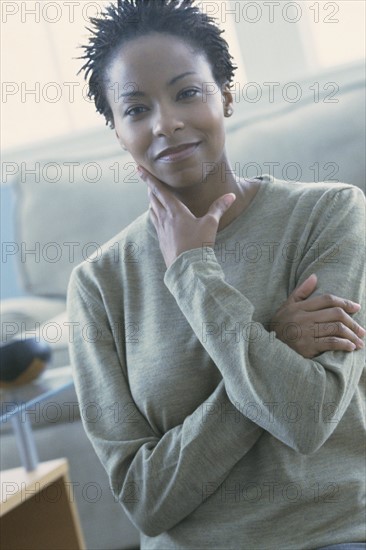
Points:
(266, 179)
(232, 226)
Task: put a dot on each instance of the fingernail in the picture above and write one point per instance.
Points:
(229, 200)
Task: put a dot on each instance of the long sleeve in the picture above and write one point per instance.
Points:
(157, 479)
(299, 401)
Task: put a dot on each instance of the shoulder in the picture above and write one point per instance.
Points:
(106, 264)
(308, 187)
(310, 195)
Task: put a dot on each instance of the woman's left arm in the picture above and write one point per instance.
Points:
(263, 371)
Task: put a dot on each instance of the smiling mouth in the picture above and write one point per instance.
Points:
(179, 153)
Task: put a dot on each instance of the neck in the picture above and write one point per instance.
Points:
(198, 198)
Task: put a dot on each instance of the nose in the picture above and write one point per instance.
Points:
(166, 121)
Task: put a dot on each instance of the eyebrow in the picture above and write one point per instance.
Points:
(136, 93)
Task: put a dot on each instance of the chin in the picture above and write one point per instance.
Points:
(182, 179)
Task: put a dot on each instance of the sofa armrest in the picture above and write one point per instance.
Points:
(19, 315)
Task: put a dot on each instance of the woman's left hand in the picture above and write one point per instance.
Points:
(177, 228)
(312, 326)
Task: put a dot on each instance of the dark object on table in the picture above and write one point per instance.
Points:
(22, 361)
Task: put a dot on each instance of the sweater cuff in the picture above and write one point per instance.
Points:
(180, 274)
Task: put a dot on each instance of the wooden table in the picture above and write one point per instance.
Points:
(37, 510)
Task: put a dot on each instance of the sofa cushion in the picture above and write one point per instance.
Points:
(22, 315)
(306, 141)
(61, 223)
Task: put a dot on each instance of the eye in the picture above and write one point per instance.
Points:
(190, 92)
(134, 111)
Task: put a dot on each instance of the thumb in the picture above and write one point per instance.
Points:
(304, 290)
(220, 205)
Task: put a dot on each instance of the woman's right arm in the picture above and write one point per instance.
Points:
(159, 480)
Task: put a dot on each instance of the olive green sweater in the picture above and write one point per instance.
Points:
(214, 433)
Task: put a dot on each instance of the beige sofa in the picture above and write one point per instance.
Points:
(86, 190)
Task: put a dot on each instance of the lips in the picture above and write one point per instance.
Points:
(172, 154)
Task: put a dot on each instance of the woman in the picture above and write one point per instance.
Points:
(215, 433)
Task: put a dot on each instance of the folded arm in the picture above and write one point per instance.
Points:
(299, 401)
(159, 480)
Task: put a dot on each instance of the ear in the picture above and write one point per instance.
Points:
(227, 100)
(120, 141)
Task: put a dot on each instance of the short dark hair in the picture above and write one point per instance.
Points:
(129, 19)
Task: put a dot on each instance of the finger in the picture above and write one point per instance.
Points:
(329, 301)
(155, 203)
(337, 316)
(339, 330)
(304, 290)
(153, 217)
(333, 344)
(154, 185)
(158, 188)
(220, 205)
(333, 315)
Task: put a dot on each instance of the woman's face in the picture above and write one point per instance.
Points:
(163, 96)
